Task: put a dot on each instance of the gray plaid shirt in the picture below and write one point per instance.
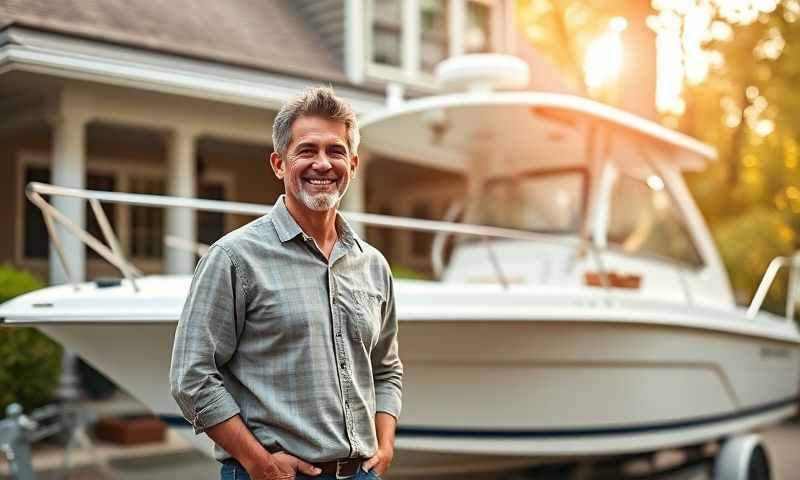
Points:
(305, 349)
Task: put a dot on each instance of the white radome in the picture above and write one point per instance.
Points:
(484, 71)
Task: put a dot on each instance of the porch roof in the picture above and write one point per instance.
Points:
(268, 36)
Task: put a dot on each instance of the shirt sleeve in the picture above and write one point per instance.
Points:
(205, 340)
(387, 369)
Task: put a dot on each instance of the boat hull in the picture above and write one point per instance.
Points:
(523, 391)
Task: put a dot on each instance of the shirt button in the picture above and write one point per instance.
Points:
(342, 365)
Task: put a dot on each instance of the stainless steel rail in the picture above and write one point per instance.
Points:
(35, 191)
(793, 263)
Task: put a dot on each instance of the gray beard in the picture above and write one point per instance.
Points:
(320, 202)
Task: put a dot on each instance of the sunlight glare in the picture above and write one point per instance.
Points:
(655, 183)
(603, 59)
(685, 32)
(669, 86)
(721, 31)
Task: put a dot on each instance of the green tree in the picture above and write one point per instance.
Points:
(564, 31)
(748, 109)
(740, 63)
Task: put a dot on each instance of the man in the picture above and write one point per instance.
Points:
(286, 351)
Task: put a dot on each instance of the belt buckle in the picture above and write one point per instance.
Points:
(339, 475)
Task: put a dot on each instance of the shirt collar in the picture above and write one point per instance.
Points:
(287, 228)
(285, 225)
(346, 233)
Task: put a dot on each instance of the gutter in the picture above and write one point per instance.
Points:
(65, 57)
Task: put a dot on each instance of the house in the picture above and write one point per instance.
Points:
(178, 98)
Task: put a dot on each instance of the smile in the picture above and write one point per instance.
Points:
(320, 181)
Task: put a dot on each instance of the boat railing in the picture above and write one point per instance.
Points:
(112, 252)
(793, 264)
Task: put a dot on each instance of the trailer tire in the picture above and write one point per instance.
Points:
(742, 458)
(758, 467)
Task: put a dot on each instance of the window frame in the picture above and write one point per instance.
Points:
(684, 225)
(423, 209)
(581, 170)
(494, 23)
(127, 246)
(410, 71)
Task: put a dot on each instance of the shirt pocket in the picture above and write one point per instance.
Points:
(367, 317)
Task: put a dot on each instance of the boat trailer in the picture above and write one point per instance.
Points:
(741, 457)
(19, 431)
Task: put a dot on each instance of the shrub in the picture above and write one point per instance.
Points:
(29, 361)
(747, 244)
(401, 271)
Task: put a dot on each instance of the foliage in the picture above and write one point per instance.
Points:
(748, 108)
(747, 244)
(401, 271)
(581, 36)
(563, 29)
(14, 283)
(29, 361)
(742, 100)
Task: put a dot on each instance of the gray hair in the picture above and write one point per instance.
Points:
(314, 102)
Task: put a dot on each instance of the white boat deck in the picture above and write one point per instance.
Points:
(161, 298)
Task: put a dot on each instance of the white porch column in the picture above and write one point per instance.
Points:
(181, 181)
(69, 170)
(355, 200)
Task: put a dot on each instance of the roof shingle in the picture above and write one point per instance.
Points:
(264, 34)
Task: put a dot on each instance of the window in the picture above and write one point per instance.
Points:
(140, 230)
(387, 32)
(36, 238)
(408, 38)
(382, 238)
(421, 241)
(210, 225)
(550, 201)
(434, 42)
(644, 220)
(106, 183)
(477, 36)
(146, 223)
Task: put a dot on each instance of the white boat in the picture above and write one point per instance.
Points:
(583, 312)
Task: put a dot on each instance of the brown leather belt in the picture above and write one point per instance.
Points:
(344, 468)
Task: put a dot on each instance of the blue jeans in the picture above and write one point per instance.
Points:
(232, 470)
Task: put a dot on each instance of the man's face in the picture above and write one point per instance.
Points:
(318, 164)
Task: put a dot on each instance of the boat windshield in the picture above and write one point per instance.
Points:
(645, 220)
(546, 201)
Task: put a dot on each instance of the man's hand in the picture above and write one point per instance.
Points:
(380, 461)
(384, 429)
(282, 467)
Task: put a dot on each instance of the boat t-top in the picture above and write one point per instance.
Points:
(579, 308)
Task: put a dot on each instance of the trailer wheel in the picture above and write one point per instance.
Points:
(758, 469)
(742, 458)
